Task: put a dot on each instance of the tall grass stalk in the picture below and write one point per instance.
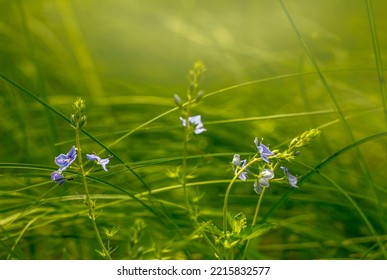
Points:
(378, 57)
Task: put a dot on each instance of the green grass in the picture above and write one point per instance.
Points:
(274, 70)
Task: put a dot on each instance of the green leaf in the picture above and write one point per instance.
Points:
(211, 228)
(255, 231)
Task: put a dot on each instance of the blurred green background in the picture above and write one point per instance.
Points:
(274, 70)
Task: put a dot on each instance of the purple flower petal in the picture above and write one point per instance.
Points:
(291, 178)
(102, 162)
(263, 150)
(64, 161)
(236, 161)
(93, 157)
(57, 177)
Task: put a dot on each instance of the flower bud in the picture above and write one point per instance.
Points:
(199, 96)
(236, 160)
(177, 99)
(293, 142)
(82, 122)
(73, 120)
(192, 86)
(78, 118)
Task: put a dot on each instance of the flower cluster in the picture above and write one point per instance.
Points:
(65, 160)
(266, 169)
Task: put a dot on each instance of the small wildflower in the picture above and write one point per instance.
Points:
(237, 162)
(57, 177)
(64, 161)
(263, 181)
(102, 162)
(263, 150)
(291, 178)
(196, 121)
(267, 173)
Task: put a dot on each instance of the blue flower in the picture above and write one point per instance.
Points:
(236, 161)
(100, 161)
(196, 121)
(263, 150)
(263, 181)
(57, 177)
(291, 178)
(64, 161)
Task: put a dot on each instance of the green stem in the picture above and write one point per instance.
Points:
(257, 212)
(185, 152)
(258, 208)
(89, 203)
(226, 196)
(254, 220)
(260, 201)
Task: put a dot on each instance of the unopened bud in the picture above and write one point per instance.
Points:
(73, 120)
(293, 142)
(177, 99)
(82, 121)
(236, 160)
(199, 96)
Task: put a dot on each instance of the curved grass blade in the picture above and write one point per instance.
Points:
(10, 251)
(378, 57)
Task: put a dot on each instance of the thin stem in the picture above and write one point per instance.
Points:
(89, 203)
(258, 208)
(378, 57)
(257, 212)
(185, 152)
(226, 202)
(226, 196)
(254, 220)
(260, 201)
